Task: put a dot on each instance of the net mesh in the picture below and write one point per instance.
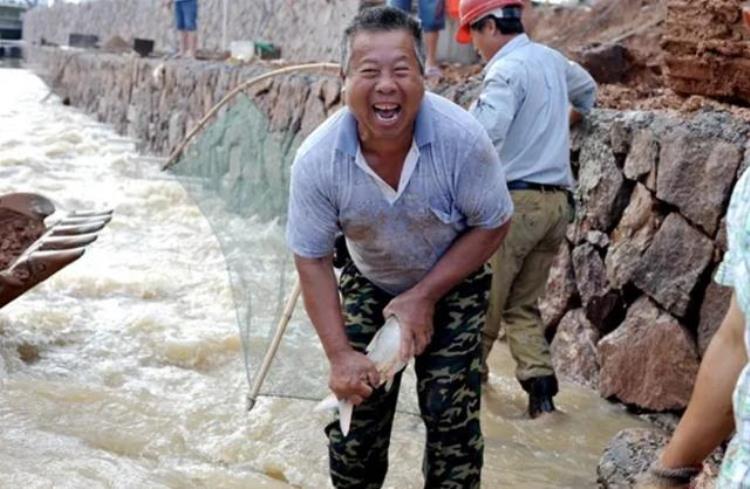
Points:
(237, 171)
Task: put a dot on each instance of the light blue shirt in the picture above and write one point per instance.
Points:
(524, 106)
(456, 183)
(734, 271)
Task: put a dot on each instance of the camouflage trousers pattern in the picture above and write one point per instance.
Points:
(448, 386)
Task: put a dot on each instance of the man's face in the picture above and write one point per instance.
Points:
(485, 40)
(384, 84)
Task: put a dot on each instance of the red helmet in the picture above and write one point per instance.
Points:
(471, 11)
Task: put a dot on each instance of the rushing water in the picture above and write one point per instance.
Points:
(125, 369)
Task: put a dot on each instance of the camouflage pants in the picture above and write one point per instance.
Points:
(448, 387)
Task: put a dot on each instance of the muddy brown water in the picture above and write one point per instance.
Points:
(125, 369)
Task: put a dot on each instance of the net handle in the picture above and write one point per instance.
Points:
(286, 316)
(241, 87)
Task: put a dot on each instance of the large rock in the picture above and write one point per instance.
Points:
(607, 63)
(620, 136)
(632, 237)
(714, 307)
(628, 454)
(560, 292)
(601, 186)
(650, 361)
(600, 302)
(597, 238)
(574, 350)
(642, 157)
(669, 270)
(696, 175)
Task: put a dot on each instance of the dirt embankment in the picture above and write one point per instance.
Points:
(651, 54)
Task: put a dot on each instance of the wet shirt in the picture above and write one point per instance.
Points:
(734, 272)
(455, 182)
(524, 106)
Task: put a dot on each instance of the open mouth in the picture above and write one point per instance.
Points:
(387, 113)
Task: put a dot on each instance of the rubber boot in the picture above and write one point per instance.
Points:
(541, 390)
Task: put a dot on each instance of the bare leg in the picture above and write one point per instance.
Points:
(192, 43)
(184, 43)
(431, 41)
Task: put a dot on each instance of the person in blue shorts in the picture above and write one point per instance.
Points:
(432, 16)
(186, 22)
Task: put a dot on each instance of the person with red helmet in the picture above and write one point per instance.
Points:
(524, 104)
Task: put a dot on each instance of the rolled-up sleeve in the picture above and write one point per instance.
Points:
(312, 221)
(497, 104)
(482, 194)
(581, 87)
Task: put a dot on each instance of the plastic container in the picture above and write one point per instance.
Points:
(143, 47)
(242, 50)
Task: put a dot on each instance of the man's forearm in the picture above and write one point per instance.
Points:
(466, 255)
(709, 419)
(322, 302)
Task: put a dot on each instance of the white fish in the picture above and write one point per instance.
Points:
(383, 350)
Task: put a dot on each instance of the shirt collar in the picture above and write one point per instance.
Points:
(347, 140)
(517, 42)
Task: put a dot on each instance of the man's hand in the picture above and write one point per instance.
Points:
(574, 117)
(352, 376)
(415, 313)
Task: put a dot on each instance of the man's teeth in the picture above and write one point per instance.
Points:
(386, 112)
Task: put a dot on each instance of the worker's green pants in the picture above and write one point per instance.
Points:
(448, 387)
(520, 270)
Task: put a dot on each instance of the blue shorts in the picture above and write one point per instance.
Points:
(186, 14)
(431, 12)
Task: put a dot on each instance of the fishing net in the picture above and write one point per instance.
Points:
(237, 171)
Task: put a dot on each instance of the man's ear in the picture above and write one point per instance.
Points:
(492, 26)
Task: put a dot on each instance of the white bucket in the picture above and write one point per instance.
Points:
(242, 50)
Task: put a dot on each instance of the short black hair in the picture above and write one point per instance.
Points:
(510, 23)
(382, 19)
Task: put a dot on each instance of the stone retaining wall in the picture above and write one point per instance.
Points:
(629, 297)
(634, 278)
(305, 29)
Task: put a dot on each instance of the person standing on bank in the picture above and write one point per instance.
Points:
(414, 184)
(186, 22)
(432, 16)
(524, 106)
